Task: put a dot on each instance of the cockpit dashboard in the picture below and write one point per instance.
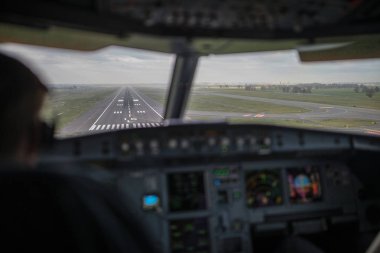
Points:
(238, 188)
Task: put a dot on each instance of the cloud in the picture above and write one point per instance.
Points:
(284, 66)
(110, 65)
(131, 66)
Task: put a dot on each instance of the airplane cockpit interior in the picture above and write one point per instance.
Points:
(212, 185)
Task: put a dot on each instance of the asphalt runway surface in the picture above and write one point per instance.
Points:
(124, 109)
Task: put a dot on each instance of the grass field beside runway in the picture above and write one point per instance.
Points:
(66, 104)
(200, 102)
(326, 123)
(341, 96)
(330, 96)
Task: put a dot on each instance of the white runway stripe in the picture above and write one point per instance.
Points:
(124, 126)
(108, 106)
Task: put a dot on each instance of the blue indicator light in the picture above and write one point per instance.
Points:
(150, 200)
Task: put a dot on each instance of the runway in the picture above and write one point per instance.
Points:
(124, 109)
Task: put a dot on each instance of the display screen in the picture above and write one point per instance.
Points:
(189, 235)
(221, 172)
(151, 202)
(263, 188)
(304, 184)
(186, 191)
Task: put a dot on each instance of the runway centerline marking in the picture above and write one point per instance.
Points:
(108, 106)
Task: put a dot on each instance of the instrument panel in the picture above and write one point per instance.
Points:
(224, 188)
(219, 208)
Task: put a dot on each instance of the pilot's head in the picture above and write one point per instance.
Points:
(21, 98)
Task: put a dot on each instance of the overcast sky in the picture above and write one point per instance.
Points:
(116, 65)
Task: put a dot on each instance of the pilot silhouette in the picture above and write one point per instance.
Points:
(21, 97)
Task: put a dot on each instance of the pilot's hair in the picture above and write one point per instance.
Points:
(21, 97)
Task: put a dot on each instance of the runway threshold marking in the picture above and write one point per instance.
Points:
(136, 125)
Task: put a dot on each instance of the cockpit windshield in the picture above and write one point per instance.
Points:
(117, 88)
(101, 91)
(276, 88)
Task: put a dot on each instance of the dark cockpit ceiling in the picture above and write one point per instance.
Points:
(345, 28)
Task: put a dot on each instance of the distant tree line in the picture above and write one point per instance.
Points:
(368, 91)
(283, 88)
(296, 89)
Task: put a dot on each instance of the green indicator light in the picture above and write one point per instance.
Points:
(221, 172)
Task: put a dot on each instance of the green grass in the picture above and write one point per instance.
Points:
(221, 104)
(336, 96)
(325, 123)
(331, 96)
(66, 105)
(199, 102)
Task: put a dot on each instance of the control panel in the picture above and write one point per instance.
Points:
(223, 188)
(221, 207)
